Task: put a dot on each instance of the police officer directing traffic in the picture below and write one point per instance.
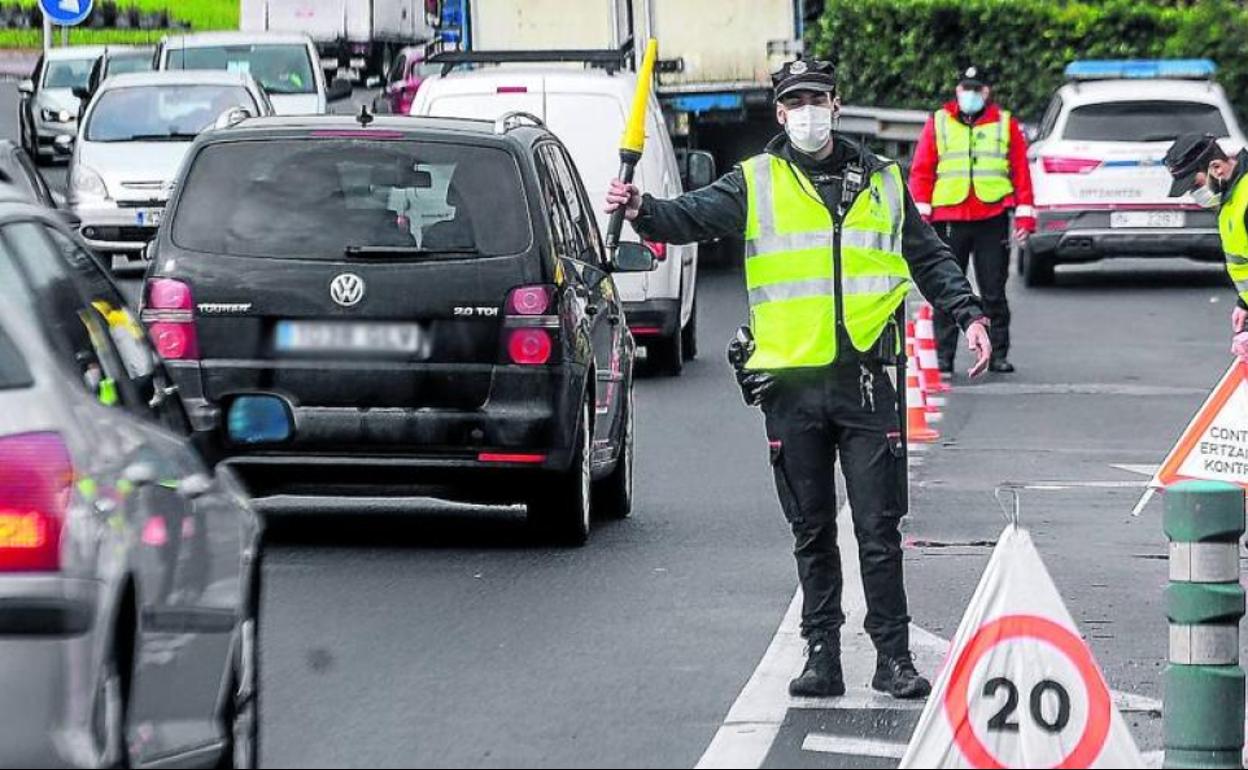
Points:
(1200, 167)
(833, 244)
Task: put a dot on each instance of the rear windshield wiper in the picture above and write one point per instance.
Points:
(158, 138)
(365, 252)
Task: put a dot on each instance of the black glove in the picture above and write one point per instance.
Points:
(754, 385)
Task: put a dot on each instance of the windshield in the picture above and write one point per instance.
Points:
(70, 73)
(326, 198)
(120, 64)
(152, 113)
(1143, 121)
(281, 69)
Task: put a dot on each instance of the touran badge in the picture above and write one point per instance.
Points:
(347, 289)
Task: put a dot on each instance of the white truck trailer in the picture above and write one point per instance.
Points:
(355, 38)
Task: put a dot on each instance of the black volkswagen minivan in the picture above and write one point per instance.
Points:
(430, 299)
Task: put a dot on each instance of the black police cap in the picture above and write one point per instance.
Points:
(974, 76)
(1190, 154)
(802, 75)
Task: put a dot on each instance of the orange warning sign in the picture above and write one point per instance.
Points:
(1214, 447)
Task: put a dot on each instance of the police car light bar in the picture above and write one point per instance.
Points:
(1115, 69)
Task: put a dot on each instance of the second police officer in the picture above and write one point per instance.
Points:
(833, 245)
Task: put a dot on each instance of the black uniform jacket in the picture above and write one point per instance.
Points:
(719, 211)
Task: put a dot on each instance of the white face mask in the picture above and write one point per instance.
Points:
(1206, 198)
(809, 127)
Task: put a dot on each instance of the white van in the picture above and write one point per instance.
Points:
(587, 110)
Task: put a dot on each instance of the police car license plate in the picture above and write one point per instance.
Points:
(148, 217)
(1147, 219)
(347, 337)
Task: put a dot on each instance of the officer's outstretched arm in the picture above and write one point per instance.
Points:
(715, 211)
(936, 271)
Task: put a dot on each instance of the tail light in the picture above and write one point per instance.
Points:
(36, 479)
(658, 249)
(531, 327)
(1054, 164)
(169, 313)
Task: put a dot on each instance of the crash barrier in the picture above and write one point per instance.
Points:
(1203, 720)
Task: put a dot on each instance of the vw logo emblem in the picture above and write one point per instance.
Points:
(347, 289)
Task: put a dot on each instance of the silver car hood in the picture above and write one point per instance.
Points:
(297, 104)
(57, 99)
(133, 171)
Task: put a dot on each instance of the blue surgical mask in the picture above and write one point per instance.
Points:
(971, 102)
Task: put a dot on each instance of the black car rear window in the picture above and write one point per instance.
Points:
(321, 198)
(1143, 121)
(13, 371)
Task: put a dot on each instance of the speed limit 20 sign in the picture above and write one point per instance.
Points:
(1021, 688)
(1010, 706)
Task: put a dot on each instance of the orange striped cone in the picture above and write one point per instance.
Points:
(916, 362)
(926, 335)
(917, 429)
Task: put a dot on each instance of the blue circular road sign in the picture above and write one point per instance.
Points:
(67, 13)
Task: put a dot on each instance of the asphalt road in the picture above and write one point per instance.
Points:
(421, 634)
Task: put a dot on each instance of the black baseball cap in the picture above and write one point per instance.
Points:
(1189, 155)
(974, 76)
(802, 75)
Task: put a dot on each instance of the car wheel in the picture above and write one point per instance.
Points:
(109, 717)
(667, 355)
(690, 333)
(561, 512)
(614, 494)
(1037, 268)
(240, 717)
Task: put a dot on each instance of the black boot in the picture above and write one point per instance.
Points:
(1000, 366)
(898, 677)
(822, 677)
(945, 365)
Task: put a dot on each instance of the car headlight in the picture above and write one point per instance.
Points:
(56, 116)
(84, 181)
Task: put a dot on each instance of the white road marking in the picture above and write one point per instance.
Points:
(752, 724)
(837, 744)
(1078, 389)
(1142, 470)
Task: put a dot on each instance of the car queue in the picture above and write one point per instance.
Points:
(411, 304)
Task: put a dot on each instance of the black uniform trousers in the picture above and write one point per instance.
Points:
(989, 241)
(812, 415)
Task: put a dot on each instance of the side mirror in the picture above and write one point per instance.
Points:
(259, 418)
(633, 257)
(700, 169)
(82, 94)
(338, 90)
(26, 87)
(194, 486)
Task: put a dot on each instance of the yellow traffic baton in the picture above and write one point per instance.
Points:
(633, 143)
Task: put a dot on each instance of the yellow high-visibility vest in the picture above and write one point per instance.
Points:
(1234, 237)
(977, 156)
(790, 267)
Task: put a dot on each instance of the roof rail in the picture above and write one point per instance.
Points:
(515, 119)
(611, 59)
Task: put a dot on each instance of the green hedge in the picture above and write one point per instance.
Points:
(906, 53)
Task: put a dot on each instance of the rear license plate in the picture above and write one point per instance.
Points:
(1147, 219)
(347, 337)
(148, 217)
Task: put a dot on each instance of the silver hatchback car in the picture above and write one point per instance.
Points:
(127, 566)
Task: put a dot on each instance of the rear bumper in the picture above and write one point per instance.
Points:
(530, 412)
(1088, 236)
(47, 663)
(653, 318)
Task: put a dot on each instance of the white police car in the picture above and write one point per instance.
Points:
(1096, 163)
